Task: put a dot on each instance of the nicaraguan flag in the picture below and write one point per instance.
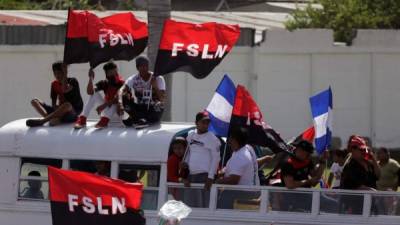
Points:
(321, 108)
(220, 107)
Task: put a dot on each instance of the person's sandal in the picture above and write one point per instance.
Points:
(34, 123)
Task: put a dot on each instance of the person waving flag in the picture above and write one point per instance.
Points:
(321, 109)
(220, 107)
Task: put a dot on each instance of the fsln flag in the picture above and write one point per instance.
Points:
(246, 113)
(81, 198)
(194, 48)
(96, 40)
(220, 107)
(321, 109)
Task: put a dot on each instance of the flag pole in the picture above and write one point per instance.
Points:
(224, 153)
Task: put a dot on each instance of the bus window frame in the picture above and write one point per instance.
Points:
(27, 178)
(161, 178)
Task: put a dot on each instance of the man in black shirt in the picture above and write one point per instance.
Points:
(106, 106)
(66, 100)
(360, 173)
(299, 171)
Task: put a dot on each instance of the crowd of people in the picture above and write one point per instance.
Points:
(196, 158)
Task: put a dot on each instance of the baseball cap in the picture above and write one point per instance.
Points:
(202, 116)
(305, 145)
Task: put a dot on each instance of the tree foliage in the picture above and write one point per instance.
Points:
(344, 16)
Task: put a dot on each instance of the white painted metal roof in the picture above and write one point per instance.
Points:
(257, 20)
(113, 143)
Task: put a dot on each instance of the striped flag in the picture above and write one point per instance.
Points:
(321, 108)
(220, 107)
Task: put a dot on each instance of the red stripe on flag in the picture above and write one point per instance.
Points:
(309, 134)
(77, 26)
(211, 34)
(64, 182)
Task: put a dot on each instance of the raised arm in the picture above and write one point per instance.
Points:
(90, 88)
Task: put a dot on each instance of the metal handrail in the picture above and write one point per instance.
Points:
(265, 192)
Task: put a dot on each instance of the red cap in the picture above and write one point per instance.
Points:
(202, 116)
(358, 141)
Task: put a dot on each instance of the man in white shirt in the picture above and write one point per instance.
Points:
(202, 161)
(142, 96)
(241, 169)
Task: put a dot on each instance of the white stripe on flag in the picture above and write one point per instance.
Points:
(220, 108)
(320, 124)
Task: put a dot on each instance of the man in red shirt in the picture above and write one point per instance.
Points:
(106, 107)
(66, 100)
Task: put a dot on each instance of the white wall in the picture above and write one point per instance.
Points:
(281, 74)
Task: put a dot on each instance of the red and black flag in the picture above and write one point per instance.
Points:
(194, 48)
(246, 113)
(79, 198)
(307, 135)
(96, 40)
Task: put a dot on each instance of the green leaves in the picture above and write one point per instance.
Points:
(345, 16)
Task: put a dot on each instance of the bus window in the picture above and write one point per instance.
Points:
(98, 167)
(149, 176)
(33, 181)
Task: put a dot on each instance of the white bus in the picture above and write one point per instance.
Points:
(144, 153)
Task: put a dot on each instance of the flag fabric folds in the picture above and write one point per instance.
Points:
(81, 198)
(96, 40)
(321, 109)
(246, 113)
(194, 48)
(307, 135)
(220, 107)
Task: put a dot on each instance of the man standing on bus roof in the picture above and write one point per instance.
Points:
(66, 91)
(146, 105)
(107, 106)
(202, 160)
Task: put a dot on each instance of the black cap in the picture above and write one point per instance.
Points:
(142, 60)
(202, 116)
(305, 145)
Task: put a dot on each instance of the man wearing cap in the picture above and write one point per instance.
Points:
(297, 171)
(202, 161)
(147, 103)
(360, 173)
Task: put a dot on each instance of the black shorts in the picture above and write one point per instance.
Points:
(143, 111)
(69, 117)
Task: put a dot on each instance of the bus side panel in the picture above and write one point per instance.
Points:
(9, 171)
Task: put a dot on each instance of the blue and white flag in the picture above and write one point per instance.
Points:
(220, 107)
(321, 109)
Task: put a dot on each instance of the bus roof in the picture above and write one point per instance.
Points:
(113, 143)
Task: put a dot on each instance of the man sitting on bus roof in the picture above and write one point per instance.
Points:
(106, 107)
(64, 89)
(146, 105)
